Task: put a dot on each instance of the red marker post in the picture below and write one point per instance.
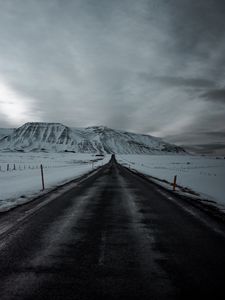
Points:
(174, 183)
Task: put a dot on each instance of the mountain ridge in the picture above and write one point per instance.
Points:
(56, 137)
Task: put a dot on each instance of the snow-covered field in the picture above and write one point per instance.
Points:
(204, 175)
(20, 175)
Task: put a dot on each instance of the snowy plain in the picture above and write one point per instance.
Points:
(200, 174)
(20, 174)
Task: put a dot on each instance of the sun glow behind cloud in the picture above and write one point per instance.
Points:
(148, 66)
(15, 107)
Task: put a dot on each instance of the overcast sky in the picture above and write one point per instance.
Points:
(149, 66)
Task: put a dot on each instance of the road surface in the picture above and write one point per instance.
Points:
(112, 236)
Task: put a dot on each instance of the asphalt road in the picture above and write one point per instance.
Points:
(112, 236)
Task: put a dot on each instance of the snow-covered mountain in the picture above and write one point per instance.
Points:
(98, 139)
(5, 131)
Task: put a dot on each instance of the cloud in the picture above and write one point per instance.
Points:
(133, 65)
(13, 107)
(217, 95)
(179, 81)
(207, 149)
(217, 134)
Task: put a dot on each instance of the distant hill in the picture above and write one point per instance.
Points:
(56, 137)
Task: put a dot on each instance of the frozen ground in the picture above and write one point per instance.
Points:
(20, 176)
(203, 175)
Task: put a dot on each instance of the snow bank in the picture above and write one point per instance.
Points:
(204, 175)
(20, 176)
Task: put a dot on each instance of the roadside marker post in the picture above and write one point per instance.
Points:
(42, 178)
(174, 183)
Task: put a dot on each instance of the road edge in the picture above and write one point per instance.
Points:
(201, 204)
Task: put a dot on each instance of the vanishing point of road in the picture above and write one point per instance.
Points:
(112, 235)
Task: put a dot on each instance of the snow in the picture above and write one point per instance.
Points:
(56, 137)
(23, 184)
(203, 175)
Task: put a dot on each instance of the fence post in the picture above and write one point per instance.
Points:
(174, 182)
(42, 178)
(7, 167)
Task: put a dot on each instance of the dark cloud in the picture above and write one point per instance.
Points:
(218, 134)
(179, 81)
(134, 65)
(211, 147)
(215, 95)
(207, 149)
(197, 23)
(192, 138)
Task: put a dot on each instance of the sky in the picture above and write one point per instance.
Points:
(148, 66)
